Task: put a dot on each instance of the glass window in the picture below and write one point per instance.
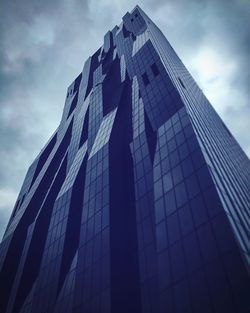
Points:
(159, 210)
(161, 236)
(186, 220)
(181, 291)
(181, 194)
(174, 158)
(192, 252)
(199, 210)
(158, 189)
(155, 69)
(187, 167)
(164, 270)
(192, 186)
(145, 79)
(207, 242)
(170, 203)
(199, 290)
(212, 201)
(105, 216)
(183, 151)
(223, 233)
(177, 174)
(147, 230)
(167, 182)
(198, 159)
(177, 261)
(204, 177)
(173, 228)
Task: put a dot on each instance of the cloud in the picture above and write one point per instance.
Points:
(44, 44)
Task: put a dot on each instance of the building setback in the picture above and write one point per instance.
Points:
(139, 202)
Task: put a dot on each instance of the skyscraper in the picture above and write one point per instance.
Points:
(139, 202)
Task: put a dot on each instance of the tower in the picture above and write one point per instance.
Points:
(139, 202)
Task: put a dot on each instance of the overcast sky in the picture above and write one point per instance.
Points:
(43, 46)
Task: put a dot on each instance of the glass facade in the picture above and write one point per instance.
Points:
(139, 202)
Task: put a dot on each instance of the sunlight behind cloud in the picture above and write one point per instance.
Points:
(212, 65)
(214, 72)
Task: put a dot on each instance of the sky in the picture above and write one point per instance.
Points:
(44, 44)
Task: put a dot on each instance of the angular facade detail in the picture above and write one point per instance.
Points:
(139, 202)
